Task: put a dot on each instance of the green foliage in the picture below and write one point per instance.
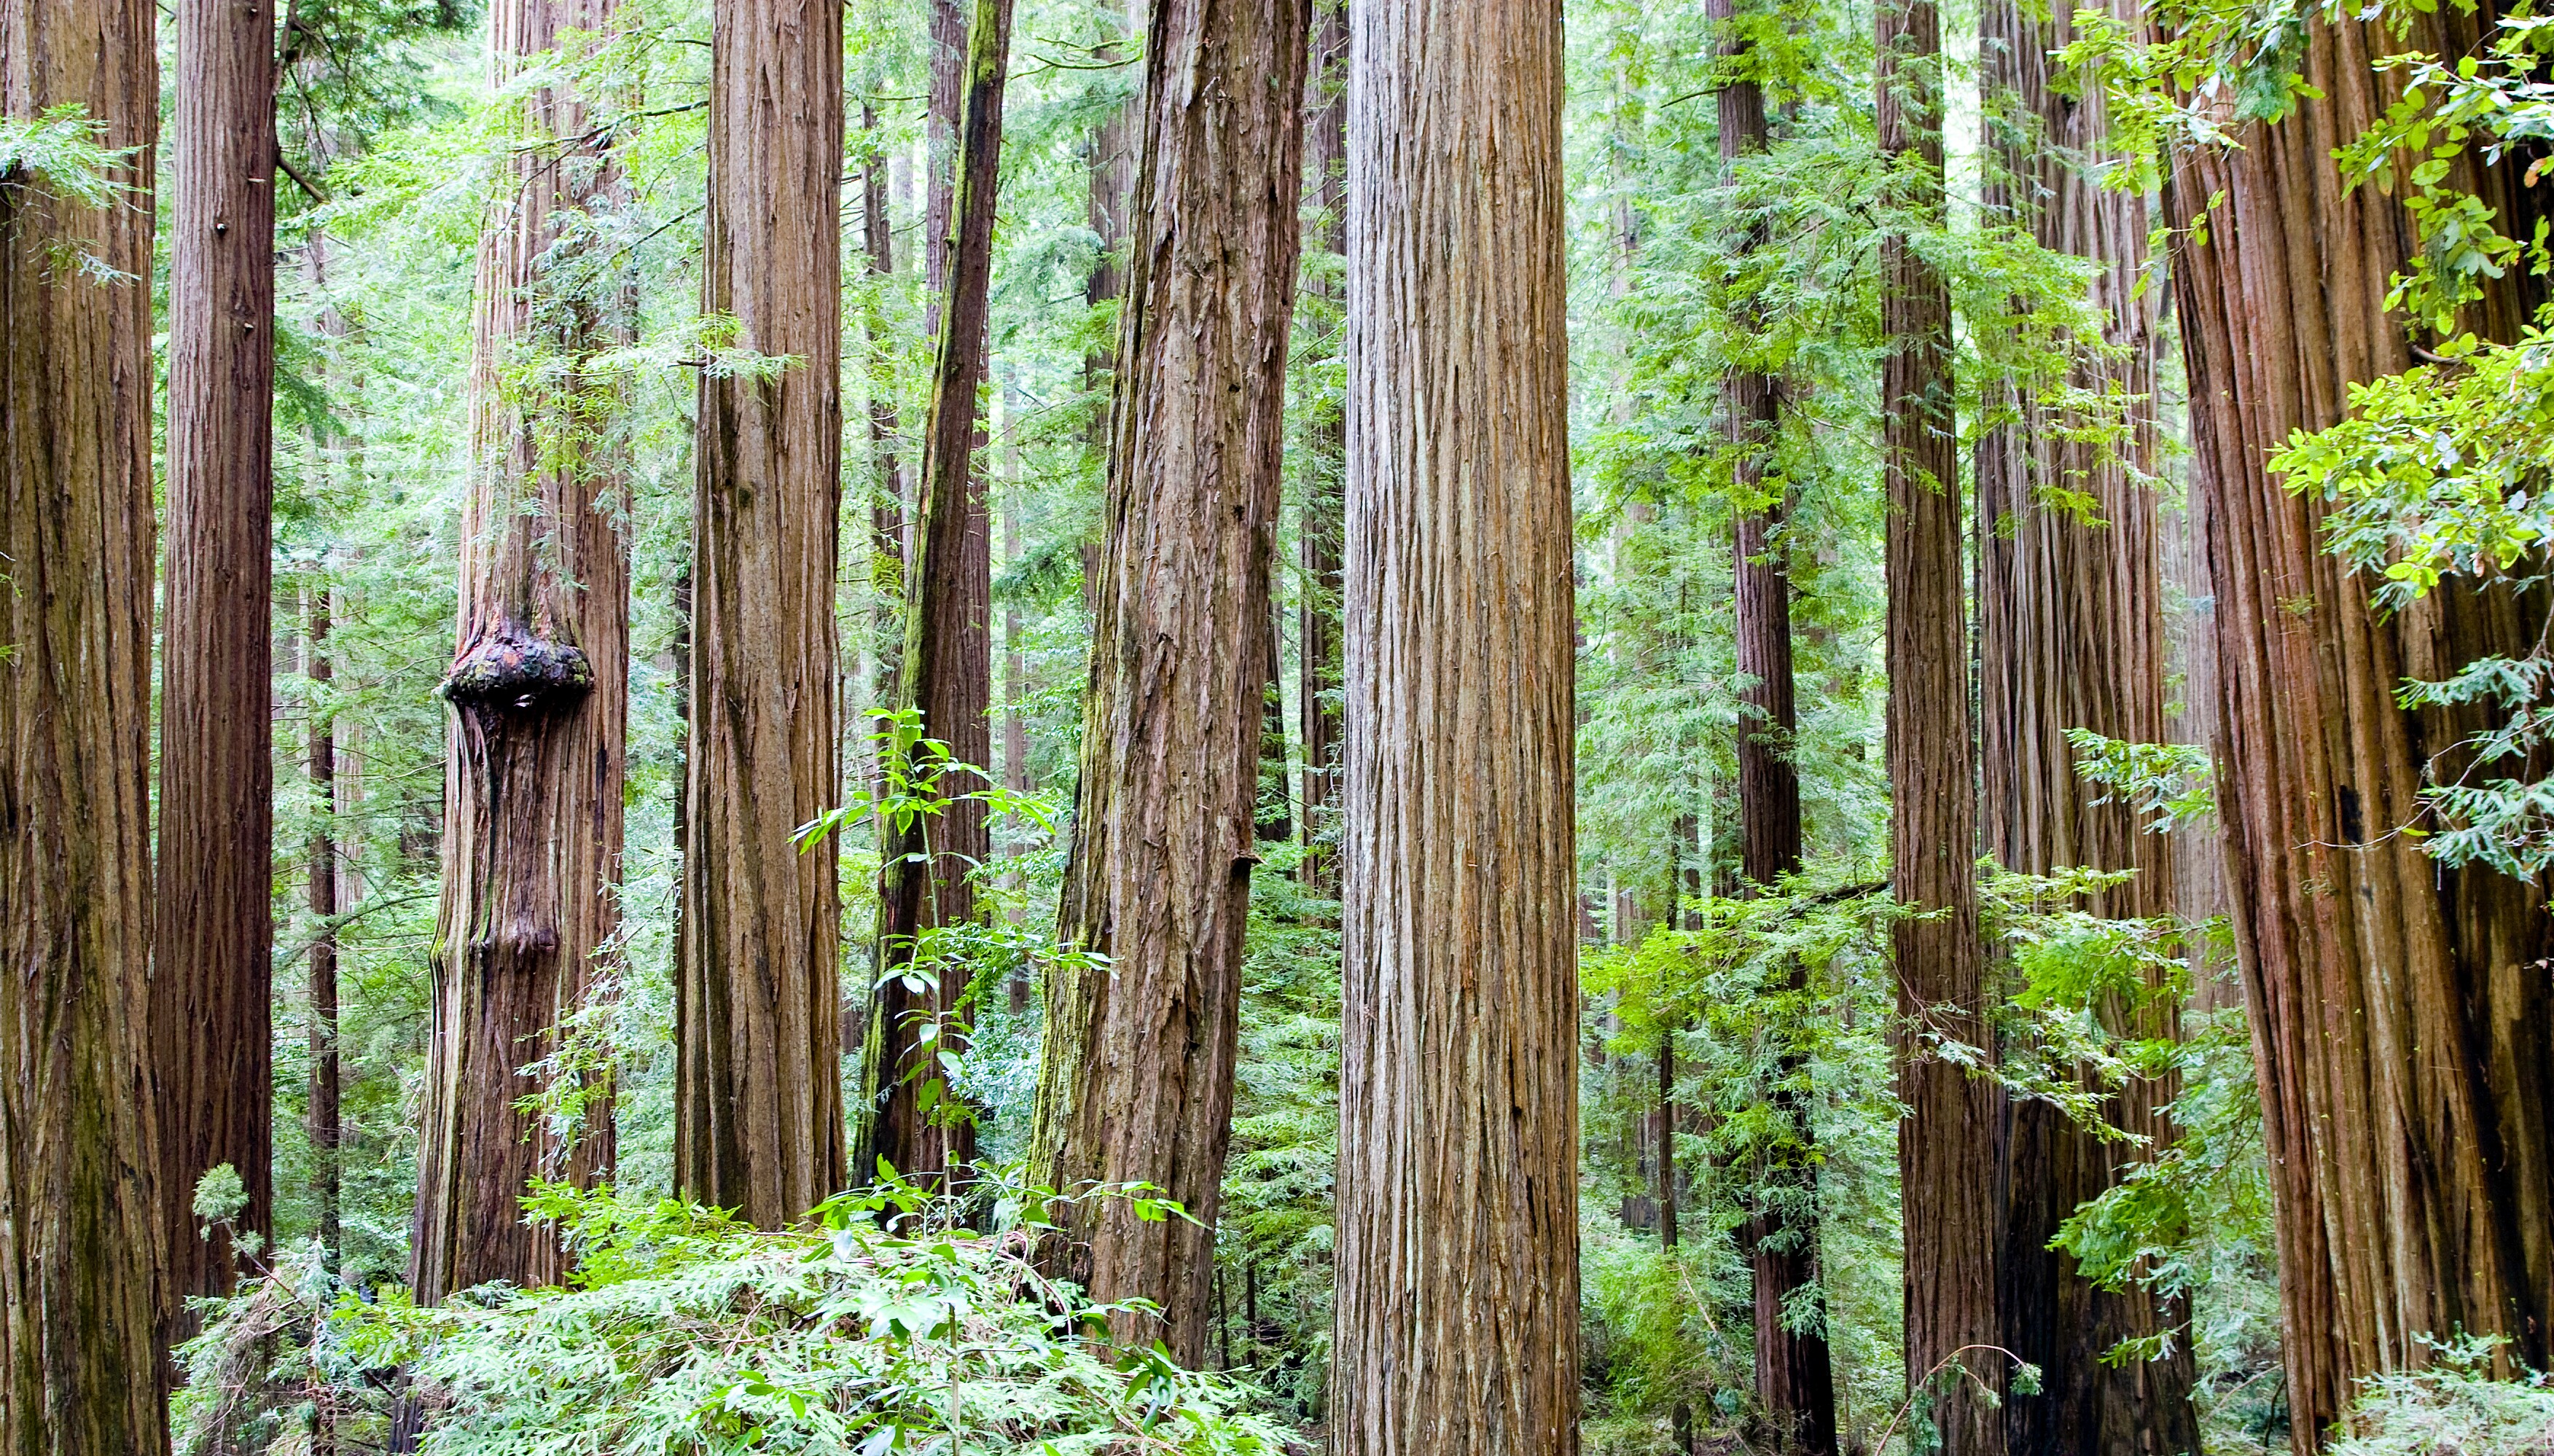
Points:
(2437, 478)
(686, 1332)
(2458, 1406)
(2172, 784)
(1275, 1236)
(61, 150)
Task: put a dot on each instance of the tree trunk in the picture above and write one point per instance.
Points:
(1947, 1154)
(84, 1244)
(757, 1110)
(887, 507)
(1275, 813)
(940, 119)
(924, 881)
(1136, 1081)
(2402, 1022)
(1457, 1264)
(2071, 635)
(1317, 627)
(213, 1038)
(1795, 1374)
(538, 693)
(326, 1114)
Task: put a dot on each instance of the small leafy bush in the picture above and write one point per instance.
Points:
(885, 1326)
(2456, 1408)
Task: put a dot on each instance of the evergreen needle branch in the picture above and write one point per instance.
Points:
(336, 923)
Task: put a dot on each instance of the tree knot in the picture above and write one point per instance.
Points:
(517, 672)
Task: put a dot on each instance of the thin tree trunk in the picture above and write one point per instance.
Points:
(887, 507)
(757, 1110)
(948, 669)
(1458, 1263)
(1795, 1373)
(2402, 1022)
(1275, 815)
(83, 1247)
(1136, 1079)
(212, 1037)
(538, 692)
(940, 119)
(325, 1114)
(1947, 1154)
(2071, 635)
(1317, 627)
(1020, 986)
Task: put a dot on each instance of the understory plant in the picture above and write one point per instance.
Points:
(2454, 1407)
(884, 1324)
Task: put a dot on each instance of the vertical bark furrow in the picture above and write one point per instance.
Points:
(213, 1043)
(1136, 1081)
(538, 694)
(927, 879)
(83, 1245)
(2071, 634)
(757, 1110)
(2405, 1045)
(1458, 1286)
(1946, 1143)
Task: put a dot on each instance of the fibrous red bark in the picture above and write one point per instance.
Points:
(83, 1245)
(926, 880)
(758, 1108)
(1135, 1083)
(1795, 1373)
(538, 695)
(1458, 1257)
(213, 978)
(1946, 1152)
(2070, 636)
(2402, 1024)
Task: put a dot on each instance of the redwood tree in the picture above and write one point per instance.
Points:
(1795, 1374)
(2070, 636)
(538, 695)
(1947, 1156)
(1458, 1252)
(925, 879)
(82, 1238)
(1136, 1079)
(212, 1042)
(323, 1120)
(758, 1107)
(1317, 628)
(2401, 1019)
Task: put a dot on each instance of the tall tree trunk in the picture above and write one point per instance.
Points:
(1317, 627)
(2071, 635)
(2402, 1022)
(758, 1108)
(540, 694)
(1136, 1079)
(1275, 813)
(213, 1038)
(1947, 1156)
(83, 1246)
(326, 1114)
(1795, 1374)
(948, 667)
(1457, 1264)
(887, 506)
(942, 102)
